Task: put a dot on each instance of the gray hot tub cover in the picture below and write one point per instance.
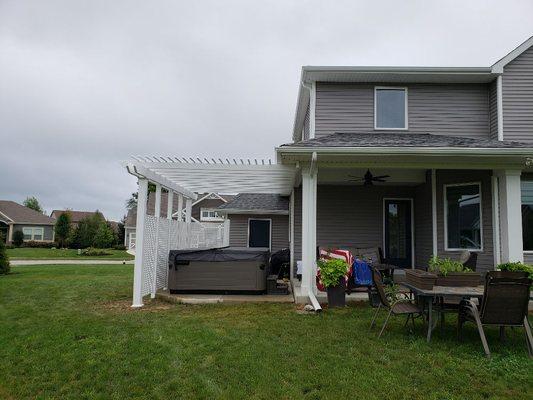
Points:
(220, 254)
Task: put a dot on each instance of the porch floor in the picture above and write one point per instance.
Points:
(165, 295)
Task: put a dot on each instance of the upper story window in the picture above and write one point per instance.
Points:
(208, 215)
(390, 108)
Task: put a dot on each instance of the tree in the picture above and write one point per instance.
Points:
(18, 238)
(63, 228)
(33, 203)
(104, 237)
(4, 259)
(132, 201)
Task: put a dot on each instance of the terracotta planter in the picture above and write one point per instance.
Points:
(421, 279)
(459, 279)
(337, 295)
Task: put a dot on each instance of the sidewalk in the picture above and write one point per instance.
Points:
(69, 262)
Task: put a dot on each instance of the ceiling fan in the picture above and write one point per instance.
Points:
(369, 179)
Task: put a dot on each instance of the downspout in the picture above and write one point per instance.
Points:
(499, 105)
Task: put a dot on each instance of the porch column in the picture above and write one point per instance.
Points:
(157, 214)
(139, 243)
(180, 207)
(170, 204)
(188, 210)
(512, 249)
(309, 183)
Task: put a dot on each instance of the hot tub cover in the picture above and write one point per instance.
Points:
(220, 254)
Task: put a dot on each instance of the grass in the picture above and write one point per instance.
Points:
(30, 253)
(67, 332)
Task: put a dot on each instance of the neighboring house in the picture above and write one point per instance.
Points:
(35, 225)
(258, 220)
(75, 216)
(204, 211)
(419, 161)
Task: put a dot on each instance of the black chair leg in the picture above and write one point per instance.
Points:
(529, 337)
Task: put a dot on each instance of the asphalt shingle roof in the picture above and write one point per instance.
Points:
(257, 201)
(403, 139)
(75, 216)
(20, 214)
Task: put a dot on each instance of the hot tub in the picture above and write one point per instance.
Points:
(225, 270)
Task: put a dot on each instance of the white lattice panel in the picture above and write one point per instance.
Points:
(149, 256)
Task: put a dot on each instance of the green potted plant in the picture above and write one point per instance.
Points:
(452, 273)
(332, 275)
(517, 269)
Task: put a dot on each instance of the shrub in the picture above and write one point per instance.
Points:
(90, 251)
(63, 228)
(85, 234)
(517, 267)
(332, 271)
(446, 265)
(4, 259)
(104, 237)
(119, 247)
(18, 238)
(40, 245)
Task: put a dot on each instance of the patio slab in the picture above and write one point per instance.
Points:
(222, 298)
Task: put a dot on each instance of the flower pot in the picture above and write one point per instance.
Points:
(420, 279)
(460, 279)
(337, 295)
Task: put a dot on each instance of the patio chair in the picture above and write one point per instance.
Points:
(504, 303)
(398, 307)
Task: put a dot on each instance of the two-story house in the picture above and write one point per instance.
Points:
(419, 161)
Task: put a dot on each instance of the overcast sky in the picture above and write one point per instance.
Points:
(86, 84)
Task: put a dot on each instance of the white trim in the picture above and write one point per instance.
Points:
(312, 111)
(142, 198)
(406, 97)
(411, 201)
(495, 220)
(434, 229)
(510, 196)
(291, 235)
(255, 211)
(269, 234)
(499, 105)
(470, 151)
(33, 234)
(497, 67)
(210, 219)
(1, 213)
(445, 202)
(208, 195)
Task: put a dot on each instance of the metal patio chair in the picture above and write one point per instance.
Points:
(504, 303)
(398, 307)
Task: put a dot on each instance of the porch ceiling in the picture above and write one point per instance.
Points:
(353, 176)
(205, 176)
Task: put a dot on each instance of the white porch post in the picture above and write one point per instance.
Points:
(170, 204)
(309, 184)
(291, 236)
(510, 216)
(179, 211)
(139, 243)
(188, 210)
(157, 214)
(434, 211)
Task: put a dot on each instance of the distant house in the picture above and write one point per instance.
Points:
(75, 216)
(16, 217)
(204, 211)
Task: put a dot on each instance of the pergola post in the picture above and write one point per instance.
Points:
(188, 210)
(180, 208)
(170, 204)
(139, 242)
(157, 214)
(510, 195)
(309, 191)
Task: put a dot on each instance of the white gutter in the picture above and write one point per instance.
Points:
(314, 301)
(408, 150)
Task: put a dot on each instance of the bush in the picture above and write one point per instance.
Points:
(18, 238)
(104, 237)
(517, 267)
(446, 265)
(63, 229)
(119, 247)
(39, 245)
(4, 259)
(90, 251)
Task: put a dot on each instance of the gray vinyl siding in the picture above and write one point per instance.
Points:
(423, 223)
(306, 124)
(445, 109)
(493, 111)
(518, 98)
(485, 260)
(48, 232)
(238, 236)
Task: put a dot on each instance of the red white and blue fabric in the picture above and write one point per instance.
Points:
(334, 253)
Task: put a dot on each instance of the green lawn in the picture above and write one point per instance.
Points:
(67, 332)
(30, 253)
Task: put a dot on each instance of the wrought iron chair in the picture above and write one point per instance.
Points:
(505, 303)
(398, 307)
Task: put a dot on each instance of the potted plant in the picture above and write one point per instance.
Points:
(516, 269)
(333, 274)
(421, 279)
(453, 273)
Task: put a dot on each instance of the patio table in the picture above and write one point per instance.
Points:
(427, 296)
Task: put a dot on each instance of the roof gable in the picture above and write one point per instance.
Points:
(19, 214)
(497, 67)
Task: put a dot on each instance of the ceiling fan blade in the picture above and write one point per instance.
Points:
(379, 180)
(382, 177)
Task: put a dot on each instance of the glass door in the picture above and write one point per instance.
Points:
(398, 232)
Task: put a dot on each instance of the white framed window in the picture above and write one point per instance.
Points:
(527, 215)
(390, 108)
(33, 233)
(463, 221)
(209, 215)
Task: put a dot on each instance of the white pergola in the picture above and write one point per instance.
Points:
(185, 177)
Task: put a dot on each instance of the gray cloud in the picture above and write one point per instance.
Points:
(84, 85)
